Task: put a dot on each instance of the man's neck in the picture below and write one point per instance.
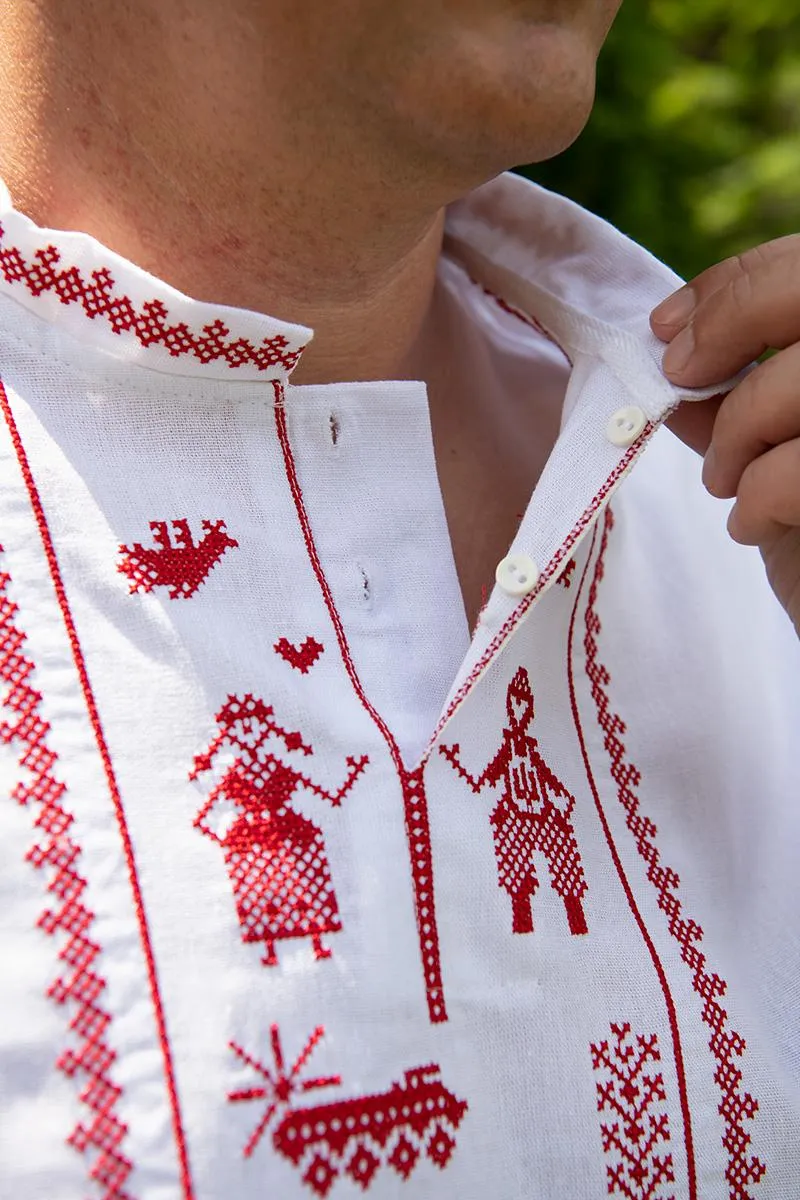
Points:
(151, 130)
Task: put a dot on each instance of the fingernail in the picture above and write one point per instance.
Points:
(677, 308)
(679, 352)
(709, 468)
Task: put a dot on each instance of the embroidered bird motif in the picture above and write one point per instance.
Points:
(176, 561)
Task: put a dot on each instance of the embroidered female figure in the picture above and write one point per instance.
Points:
(275, 857)
(532, 814)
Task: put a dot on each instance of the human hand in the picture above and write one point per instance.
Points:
(750, 439)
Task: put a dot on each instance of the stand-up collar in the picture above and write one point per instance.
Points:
(586, 284)
(71, 280)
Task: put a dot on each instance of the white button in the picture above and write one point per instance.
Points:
(517, 574)
(625, 426)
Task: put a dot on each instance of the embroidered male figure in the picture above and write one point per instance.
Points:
(532, 815)
(275, 857)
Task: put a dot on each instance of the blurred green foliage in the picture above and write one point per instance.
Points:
(694, 144)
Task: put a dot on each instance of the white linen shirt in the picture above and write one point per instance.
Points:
(305, 890)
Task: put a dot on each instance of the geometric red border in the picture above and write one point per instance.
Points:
(116, 798)
(569, 542)
(677, 1049)
(726, 1045)
(79, 986)
(148, 324)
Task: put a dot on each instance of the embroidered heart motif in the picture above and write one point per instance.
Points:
(302, 658)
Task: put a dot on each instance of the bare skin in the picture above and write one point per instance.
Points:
(296, 160)
(750, 440)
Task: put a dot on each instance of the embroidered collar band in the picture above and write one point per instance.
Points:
(69, 279)
(584, 283)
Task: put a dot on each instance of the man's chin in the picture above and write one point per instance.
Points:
(533, 122)
(468, 109)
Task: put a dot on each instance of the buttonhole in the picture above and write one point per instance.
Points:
(366, 591)
(334, 424)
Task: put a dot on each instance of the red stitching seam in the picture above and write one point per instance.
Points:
(79, 986)
(526, 318)
(547, 574)
(147, 324)
(725, 1044)
(415, 802)
(94, 717)
(626, 887)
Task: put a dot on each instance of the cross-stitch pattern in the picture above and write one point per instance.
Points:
(737, 1106)
(176, 562)
(79, 985)
(531, 816)
(302, 657)
(415, 800)
(149, 323)
(565, 578)
(275, 857)
(355, 1136)
(635, 1132)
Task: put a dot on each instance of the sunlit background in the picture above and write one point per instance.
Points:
(694, 145)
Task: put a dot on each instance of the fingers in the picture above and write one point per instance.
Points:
(762, 412)
(782, 561)
(716, 326)
(694, 422)
(731, 314)
(768, 499)
(705, 285)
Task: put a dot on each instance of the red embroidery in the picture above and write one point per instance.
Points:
(275, 857)
(727, 1046)
(418, 833)
(149, 324)
(531, 815)
(182, 567)
(566, 548)
(79, 986)
(637, 1133)
(355, 1136)
(187, 1186)
(526, 318)
(303, 657)
(415, 801)
(565, 578)
(635, 912)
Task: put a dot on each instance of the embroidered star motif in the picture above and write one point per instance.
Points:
(279, 1085)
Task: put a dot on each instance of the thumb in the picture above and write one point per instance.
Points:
(693, 422)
